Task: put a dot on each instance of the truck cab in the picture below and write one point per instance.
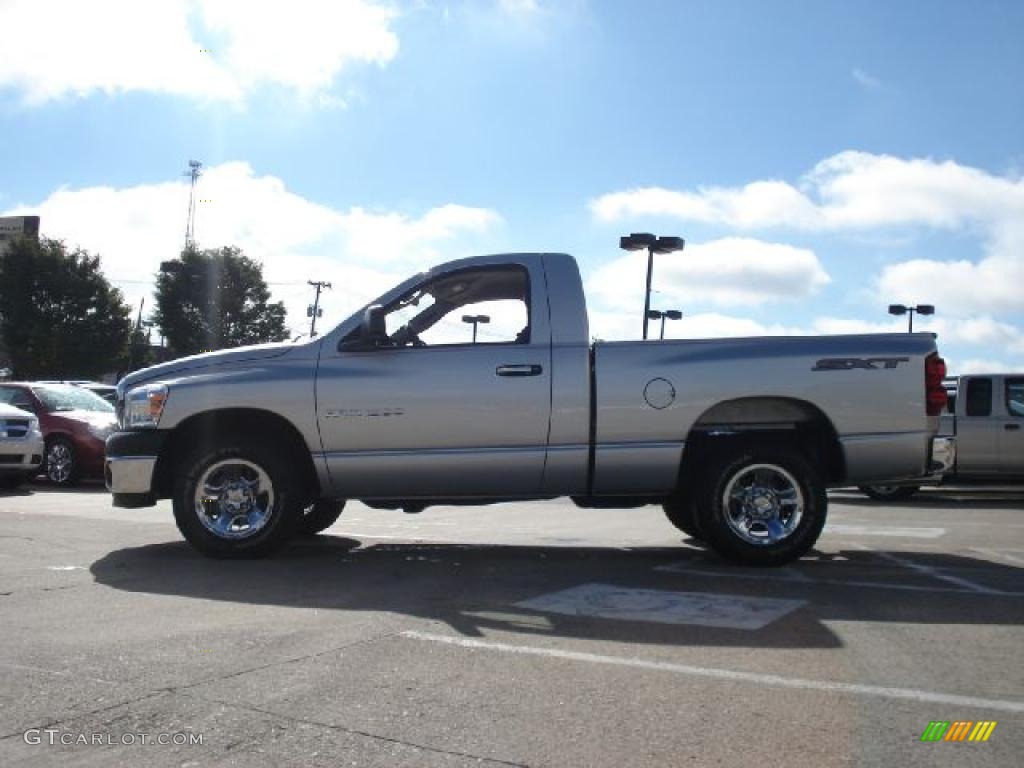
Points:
(986, 415)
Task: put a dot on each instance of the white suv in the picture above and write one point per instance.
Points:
(21, 446)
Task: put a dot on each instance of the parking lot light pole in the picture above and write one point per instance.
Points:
(475, 320)
(668, 314)
(664, 244)
(903, 309)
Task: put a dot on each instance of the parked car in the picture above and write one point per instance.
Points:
(107, 391)
(985, 412)
(75, 425)
(397, 406)
(21, 446)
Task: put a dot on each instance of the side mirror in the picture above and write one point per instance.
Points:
(371, 334)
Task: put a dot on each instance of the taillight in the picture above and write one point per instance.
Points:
(935, 393)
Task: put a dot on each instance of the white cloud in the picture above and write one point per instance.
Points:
(858, 191)
(850, 190)
(207, 49)
(361, 252)
(727, 272)
(865, 80)
(985, 366)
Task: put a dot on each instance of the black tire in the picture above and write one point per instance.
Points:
(238, 460)
(12, 481)
(319, 516)
(681, 511)
(781, 468)
(889, 492)
(60, 462)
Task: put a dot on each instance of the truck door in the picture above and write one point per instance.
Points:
(1011, 446)
(977, 431)
(455, 401)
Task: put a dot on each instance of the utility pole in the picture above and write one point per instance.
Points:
(313, 311)
(194, 172)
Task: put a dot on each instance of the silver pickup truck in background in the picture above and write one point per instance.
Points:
(476, 382)
(985, 413)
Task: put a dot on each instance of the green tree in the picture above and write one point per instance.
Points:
(59, 317)
(213, 299)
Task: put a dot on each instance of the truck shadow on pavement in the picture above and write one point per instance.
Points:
(980, 498)
(475, 588)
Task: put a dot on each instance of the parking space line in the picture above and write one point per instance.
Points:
(917, 532)
(935, 573)
(793, 578)
(729, 675)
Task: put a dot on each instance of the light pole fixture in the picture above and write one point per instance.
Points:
(668, 314)
(475, 320)
(903, 309)
(664, 244)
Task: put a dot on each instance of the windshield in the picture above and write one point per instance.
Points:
(67, 398)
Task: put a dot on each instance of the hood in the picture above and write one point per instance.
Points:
(92, 418)
(10, 412)
(209, 359)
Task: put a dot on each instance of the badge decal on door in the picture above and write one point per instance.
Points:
(371, 413)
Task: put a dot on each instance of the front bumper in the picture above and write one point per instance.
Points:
(130, 467)
(21, 455)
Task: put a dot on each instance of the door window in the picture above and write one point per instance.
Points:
(979, 397)
(1015, 397)
(472, 306)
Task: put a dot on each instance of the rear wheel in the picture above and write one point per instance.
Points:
(237, 499)
(889, 492)
(761, 505)
(320, 516)
(682, 513)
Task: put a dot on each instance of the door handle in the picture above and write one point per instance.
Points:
(518, 370)
(1011, 427)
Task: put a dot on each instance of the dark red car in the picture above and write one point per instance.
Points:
(75, 424)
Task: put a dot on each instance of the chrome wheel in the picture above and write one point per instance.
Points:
(763, 504)
(60, 462)
(234, 499)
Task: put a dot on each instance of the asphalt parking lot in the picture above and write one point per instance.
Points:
(520, 634)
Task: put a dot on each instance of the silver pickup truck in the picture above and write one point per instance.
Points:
(985, 413)
(476, 382)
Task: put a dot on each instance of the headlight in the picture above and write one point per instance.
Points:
(144, 405)
(33, 427)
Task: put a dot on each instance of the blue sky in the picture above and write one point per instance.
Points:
(822, 159)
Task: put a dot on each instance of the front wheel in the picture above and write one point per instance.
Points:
(889, 492)
(238, 499)
(761, 505)
(319, 516)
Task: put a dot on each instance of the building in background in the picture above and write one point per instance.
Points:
(13, 227)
